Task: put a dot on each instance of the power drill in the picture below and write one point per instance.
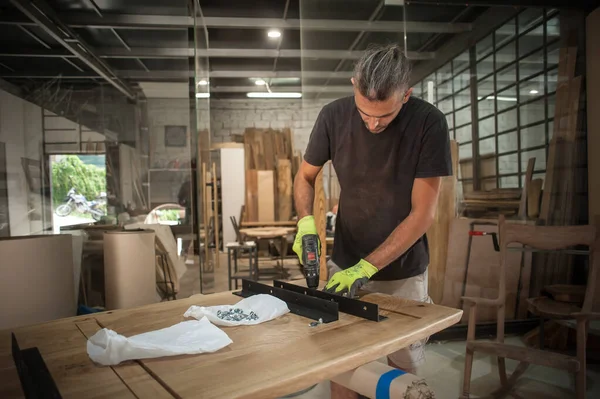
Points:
(310, 259)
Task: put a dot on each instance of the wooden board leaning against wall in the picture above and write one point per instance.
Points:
(270, 155)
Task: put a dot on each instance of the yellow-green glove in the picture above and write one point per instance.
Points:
(306, 225)
(349, 281)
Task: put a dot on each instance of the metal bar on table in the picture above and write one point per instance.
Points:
(355, 307)
(36, 380)
(300, 304)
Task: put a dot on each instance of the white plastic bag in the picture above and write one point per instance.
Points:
(252, 310)
(188, 337)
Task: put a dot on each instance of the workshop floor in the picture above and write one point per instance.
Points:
(444, 369)
(445, 361)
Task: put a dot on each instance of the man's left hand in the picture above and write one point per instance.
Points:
(349, 281)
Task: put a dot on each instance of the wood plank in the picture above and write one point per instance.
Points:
(138, 380)
(495, 194)
(290, 223)
(266, 196)
(528, 176)
(567, 59)
(437, 235)
(492, 203)
(251, 205)
(284, 189)
(533, 198)
(269, 149)
(319, 214)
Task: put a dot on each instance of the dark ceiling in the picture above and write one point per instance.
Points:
(125, 42)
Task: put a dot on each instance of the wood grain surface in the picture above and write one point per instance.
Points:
(267, 360)
(266, 196)
(251, 205)
(319, 213)
(437, 234)
(284, 189)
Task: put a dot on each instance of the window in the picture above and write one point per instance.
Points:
(516, 70)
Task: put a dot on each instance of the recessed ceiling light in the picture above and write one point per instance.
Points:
(274, 33)
(280, 94)
(533, 91)
(202, 95)
(203, 82)
(260, 82)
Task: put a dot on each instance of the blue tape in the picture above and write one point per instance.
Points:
(383, 385)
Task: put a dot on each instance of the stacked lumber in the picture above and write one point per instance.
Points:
(271, 163)
(525, 202)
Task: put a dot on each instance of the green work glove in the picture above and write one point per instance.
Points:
(306, 225)
(349, 281)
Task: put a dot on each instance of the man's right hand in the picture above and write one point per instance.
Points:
(306, 225)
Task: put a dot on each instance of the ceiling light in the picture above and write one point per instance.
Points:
(274, 33)
(499, 98)
(260, 82)
(203, 82)
(202, 95)
(533, 91)
(280, 94)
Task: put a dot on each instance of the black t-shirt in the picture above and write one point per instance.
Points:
(376, 174)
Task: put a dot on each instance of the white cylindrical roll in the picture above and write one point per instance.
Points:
(129, 268)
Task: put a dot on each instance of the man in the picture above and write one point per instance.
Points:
(389, 152)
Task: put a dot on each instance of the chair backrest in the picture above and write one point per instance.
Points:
(553, 238)
(236, 228)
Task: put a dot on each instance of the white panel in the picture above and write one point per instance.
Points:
(233, 187)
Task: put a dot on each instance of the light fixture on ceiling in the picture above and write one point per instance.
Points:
(202, 95)
(274, 33)
(266, 94)
(533, 91)
(499, 98)
(260, 82)
(203, 82)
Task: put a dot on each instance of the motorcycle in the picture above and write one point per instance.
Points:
(78, 201)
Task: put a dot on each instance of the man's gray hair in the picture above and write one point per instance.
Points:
(381, 72)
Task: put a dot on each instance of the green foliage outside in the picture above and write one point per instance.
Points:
(168, 214)
(88, 180)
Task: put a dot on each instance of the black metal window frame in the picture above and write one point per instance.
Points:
(472, 89)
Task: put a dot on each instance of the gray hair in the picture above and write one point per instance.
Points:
(381, 71)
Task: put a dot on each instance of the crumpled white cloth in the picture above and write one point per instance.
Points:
(266, 307)
(188, 337)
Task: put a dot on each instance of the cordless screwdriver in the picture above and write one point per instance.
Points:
(310, 259)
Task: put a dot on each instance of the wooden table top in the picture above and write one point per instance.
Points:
(267, 360)
(268, 232)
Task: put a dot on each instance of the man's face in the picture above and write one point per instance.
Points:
(377, 115)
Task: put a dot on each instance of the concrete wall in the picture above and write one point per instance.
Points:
(229, 117)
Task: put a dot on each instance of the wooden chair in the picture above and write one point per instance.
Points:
(543, 238)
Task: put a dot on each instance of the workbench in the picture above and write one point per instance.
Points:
(267, 360)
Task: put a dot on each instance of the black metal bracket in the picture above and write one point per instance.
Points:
(355, 307)
(36, 380)
(300, 304)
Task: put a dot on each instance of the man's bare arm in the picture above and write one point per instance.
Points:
(304, 189)
(424, 203)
